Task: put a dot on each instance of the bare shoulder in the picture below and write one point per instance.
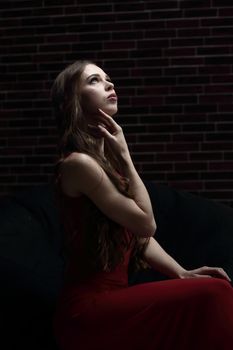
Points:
(79, 173)
(80, 162)
(78, 159)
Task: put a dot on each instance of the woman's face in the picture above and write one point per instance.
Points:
(97, 91)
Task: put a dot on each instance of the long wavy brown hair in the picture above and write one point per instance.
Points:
(101, 234)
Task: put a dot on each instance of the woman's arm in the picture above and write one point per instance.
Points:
(113, 134)
(159, 260)
(138, 189)
(81, 174)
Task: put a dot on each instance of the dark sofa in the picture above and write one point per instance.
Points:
(194, 230)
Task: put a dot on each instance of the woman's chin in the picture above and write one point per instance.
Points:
(110, 110)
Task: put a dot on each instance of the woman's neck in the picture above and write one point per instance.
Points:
(100, 146)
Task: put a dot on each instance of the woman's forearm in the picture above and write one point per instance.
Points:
(159, 260)
(138, 189)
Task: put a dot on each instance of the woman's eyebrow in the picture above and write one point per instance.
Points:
(98, 75)
(93, 75)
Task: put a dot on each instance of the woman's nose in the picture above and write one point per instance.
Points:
(109, 85)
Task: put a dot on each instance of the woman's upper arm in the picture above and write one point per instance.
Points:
(82, 174)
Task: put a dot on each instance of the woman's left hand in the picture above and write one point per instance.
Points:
(206, 272)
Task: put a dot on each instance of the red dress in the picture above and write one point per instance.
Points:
(103, 313)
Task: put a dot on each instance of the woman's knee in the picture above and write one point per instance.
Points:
(219, 289)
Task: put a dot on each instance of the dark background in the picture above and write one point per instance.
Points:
(171, 62)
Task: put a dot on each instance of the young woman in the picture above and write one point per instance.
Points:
(109, 227)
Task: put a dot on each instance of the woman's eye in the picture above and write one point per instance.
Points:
(93, 80)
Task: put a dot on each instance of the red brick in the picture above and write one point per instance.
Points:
(119, 45)
(228, 155)
(145, 100)
(61, 2)
(221, 165)
(185, 89)
(47, 11)
(148, 44)
(190, 137)
(112, 27)
(183, 23)
(159, 5)
(216, 22)
(223, 136)
(186, 185)
(214, 98)
(131, 16)
(128, 6)
(212, 146)
(216, 175)
(154, 137)
(144, 72)
(158, 166)
(218, 60)
(181, 176)
(187, 42)
(181, 99)
(161, 128)
(95, 7)
(191, 166)
(147, 147)
(180, 71)
(156, 119)
(224, 126)
(206, 156)
(187, 61)
(153, 90)
(174, 52)
(222, 3)
(195, 4)
(143, 157)
(226, 11)
(148, 25)
(214, 50)
(182, 146)
(204, 12)
(196, 127)
(200, 108)
(218, 89)
(171, 157)
(166, 14)
(10, 160)
(223, 78)
(219, 40)
(216, 70)
(160, 33)
(121, 35)
(226, 108)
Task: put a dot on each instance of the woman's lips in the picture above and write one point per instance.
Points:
(112, 97)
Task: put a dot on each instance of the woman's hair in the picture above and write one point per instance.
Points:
(101, 233)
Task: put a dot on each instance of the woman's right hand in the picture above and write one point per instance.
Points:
(113, 134)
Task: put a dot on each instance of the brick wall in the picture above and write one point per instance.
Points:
(171, 62)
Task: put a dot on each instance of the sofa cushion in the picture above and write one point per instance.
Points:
(31, 237)
(194, 230)
(31, 268)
